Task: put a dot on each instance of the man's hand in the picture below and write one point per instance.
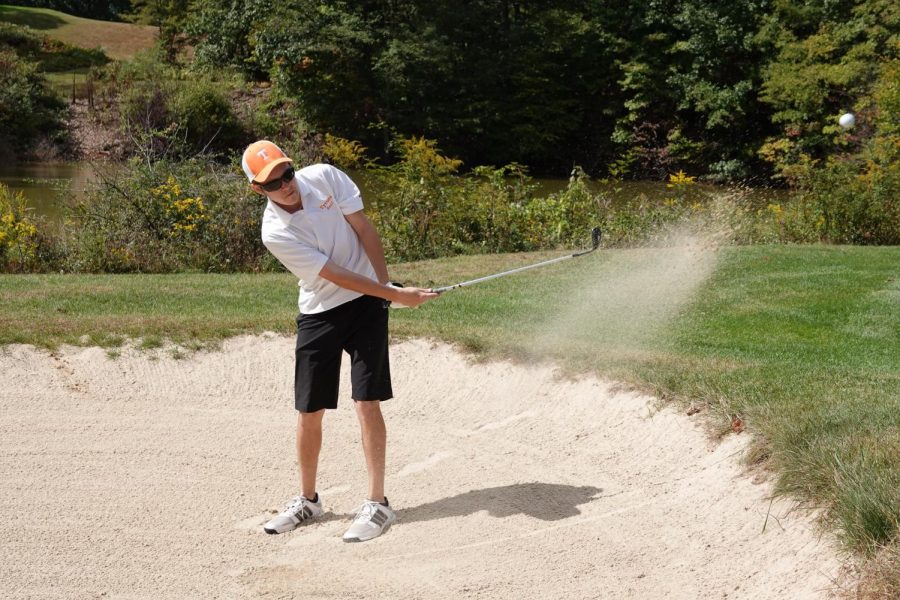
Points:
(412, 296)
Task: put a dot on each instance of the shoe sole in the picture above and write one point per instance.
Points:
(275, 531)
(357, 540)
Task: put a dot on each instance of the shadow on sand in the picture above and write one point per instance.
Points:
(544, 501)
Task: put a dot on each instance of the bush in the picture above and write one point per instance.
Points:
(24, 244)
(857, 195)
(205, 116)
(160, 216)
(28, 110)
(345, 154)
(69, 58)
(18, 234)
(489, 212)
(179, 118)
(170, 116)
(23, 40)
(414, 213)
(562, 219)
(858, 200)
(145, 108)
(426, 211)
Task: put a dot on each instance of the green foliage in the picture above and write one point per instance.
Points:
(18, 234)
(825, 58)
(561, 219)
(171, 115)
(361, 70)
(426, 211)
(145, 107)
(834, 58)
(160, 216)
(206, 116)
(859, 198)
(25, 242)
(416, 216)
(689, 79)
(23, 40)
(227, 34)
(170, 16)
(346, 154)
(30, 113)
(886, 98)
(857, 194)
(493, 201)
(28, 110)
(690, 84)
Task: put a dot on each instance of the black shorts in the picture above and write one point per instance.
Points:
(361, 328)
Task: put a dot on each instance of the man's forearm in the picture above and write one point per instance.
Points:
(356, 282)
(375, 251)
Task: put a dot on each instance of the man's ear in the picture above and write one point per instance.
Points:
(255, 187)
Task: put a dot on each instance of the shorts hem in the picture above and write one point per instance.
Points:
(382, 399)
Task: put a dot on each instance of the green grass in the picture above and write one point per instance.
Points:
(104, 310)
(119, 40)
(801, 343)
(811, 337)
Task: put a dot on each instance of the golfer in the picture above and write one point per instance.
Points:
(314, 224)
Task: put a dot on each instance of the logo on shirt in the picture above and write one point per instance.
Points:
(329, 202)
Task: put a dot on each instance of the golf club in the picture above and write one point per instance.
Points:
(595, 243)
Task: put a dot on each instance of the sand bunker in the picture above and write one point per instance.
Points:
(143, 477)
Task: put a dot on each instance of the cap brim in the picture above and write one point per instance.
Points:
(267, 170)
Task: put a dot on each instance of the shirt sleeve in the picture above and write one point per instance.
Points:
(345, 192)
(303, 261)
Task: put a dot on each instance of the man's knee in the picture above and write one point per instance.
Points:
(367, 409)
(368, 405)
(312, 420)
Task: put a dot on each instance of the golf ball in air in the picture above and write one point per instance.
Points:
(847, 120)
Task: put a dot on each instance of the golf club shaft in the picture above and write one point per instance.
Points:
(595, 242)
(496, 275)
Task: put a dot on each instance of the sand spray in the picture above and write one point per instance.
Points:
(626, 302)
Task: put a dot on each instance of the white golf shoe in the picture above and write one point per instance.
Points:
(299, 511)
(372, 519)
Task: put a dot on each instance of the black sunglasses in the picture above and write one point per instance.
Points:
(275, 184)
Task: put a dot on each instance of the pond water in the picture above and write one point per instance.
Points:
(47, 187)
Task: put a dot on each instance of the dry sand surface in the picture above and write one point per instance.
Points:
(149, 477)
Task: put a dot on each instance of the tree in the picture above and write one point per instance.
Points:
(28, 110)
(169, 16)
(826, 57)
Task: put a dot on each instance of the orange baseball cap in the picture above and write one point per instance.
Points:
(260, 158)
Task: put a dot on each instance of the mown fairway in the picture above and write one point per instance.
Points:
(800, 343)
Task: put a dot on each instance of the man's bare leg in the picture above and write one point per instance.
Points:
(374, 440)
(309, 443)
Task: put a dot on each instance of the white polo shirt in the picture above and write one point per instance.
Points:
(304, 241)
